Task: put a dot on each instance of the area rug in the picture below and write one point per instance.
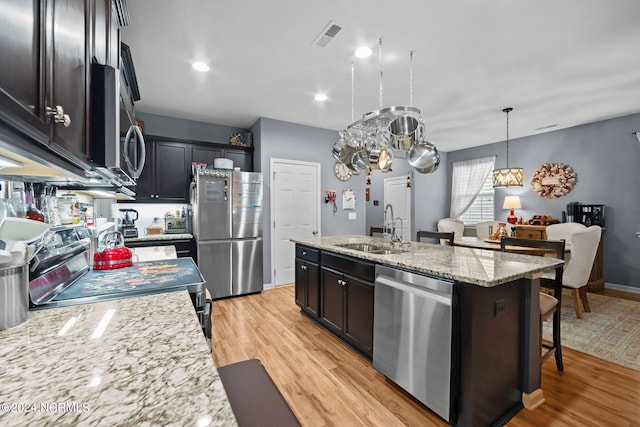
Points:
(610, 332)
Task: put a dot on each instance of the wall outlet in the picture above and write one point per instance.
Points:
(499, 307)
(352, 215)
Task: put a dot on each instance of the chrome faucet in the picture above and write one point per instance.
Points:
(390, 224)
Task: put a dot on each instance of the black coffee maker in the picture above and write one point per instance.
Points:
(127, 222)
(586, 214)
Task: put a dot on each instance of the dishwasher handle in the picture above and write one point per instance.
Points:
(413, 289)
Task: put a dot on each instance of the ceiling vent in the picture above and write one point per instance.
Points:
(327, 34)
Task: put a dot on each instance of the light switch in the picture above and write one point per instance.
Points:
(352, 215)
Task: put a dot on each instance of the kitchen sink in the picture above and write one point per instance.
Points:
(372, 248)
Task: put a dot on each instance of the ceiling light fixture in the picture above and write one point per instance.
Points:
(363, 52)
(320, 97)
(508, 177)
(200, 66)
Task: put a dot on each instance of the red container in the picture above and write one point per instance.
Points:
(113, 255)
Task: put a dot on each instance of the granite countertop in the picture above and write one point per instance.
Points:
(152, 237)
(476, 266)
(151, 366)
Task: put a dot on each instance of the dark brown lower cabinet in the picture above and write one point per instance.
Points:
(346, 301)
(308, 287)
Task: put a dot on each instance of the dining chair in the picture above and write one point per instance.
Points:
(563, 230)
(451, 225)
(584, 245)
(375, 230)
(443, 237)
(549, 304)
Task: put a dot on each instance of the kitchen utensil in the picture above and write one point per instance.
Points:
(112, 254)
(14, 296)
(424, 157)
(22, 229)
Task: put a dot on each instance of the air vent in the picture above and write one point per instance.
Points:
(327, 34)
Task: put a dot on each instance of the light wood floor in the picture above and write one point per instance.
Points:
(328, 384)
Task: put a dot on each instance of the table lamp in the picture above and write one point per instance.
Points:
(512, 202)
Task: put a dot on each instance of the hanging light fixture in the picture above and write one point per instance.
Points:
(508, 177)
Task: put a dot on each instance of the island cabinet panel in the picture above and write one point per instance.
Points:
(359, 315)
(490, 355)
(346, 299)
(307, 285)
(333, 301)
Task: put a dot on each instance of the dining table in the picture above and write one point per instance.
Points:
(494, 245)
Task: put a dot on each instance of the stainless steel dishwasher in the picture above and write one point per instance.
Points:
(412, 335)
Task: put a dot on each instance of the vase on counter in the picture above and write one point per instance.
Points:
(500, 231)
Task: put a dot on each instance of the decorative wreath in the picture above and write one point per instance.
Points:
(553, 180)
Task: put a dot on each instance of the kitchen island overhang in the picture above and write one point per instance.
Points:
(482, 279)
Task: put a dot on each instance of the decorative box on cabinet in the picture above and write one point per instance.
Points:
(531, 231)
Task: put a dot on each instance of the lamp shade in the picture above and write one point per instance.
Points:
(512, 202)
(508, 177)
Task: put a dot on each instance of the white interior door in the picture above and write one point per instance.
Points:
(295, 212)
(398, 194)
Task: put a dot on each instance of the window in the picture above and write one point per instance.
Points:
(482, 208)
(472, 190)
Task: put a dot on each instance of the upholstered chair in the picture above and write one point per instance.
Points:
(563, 231)
(440, 236)
(375, 230)
(451, 225)
(584, 245)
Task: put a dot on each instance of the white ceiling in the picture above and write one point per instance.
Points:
(556, 62)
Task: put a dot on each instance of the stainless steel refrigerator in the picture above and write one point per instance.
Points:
(227, 224)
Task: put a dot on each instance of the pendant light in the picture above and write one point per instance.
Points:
(508, 177)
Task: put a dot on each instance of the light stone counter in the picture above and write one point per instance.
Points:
(479, 267)
(151, 366)
(152, 237)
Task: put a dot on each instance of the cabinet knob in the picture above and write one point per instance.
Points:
(304, 252)
(303, 267)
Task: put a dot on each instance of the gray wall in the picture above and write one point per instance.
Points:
(606, 157)
(429, 195)
(283, 140)
(186, 129)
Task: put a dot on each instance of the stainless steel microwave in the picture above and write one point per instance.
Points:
(116, 147)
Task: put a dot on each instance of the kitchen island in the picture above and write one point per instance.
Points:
(492, 334)
(134, 361)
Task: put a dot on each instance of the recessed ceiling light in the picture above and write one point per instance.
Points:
(363, 52)
(200, 66)
(320, 97)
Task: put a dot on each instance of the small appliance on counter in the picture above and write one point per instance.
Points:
(127, 222)
(586, 214)
(112, 253)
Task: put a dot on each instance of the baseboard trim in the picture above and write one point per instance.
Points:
(632, 289)
(267, 286)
